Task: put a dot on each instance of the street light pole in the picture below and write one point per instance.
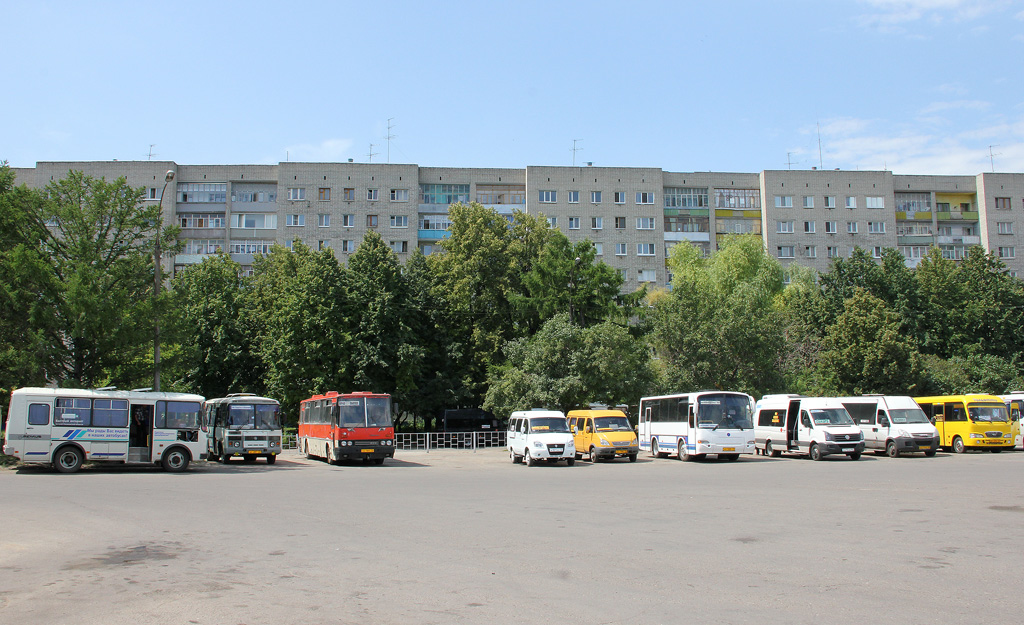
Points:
(157, 280)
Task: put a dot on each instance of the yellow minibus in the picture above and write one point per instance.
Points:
(971, 421)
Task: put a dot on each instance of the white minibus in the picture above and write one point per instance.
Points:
(813, 426)
(693, 425)
(892, 424)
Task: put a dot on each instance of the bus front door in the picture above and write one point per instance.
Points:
(37, 432)
(140, 433)
(792, 415)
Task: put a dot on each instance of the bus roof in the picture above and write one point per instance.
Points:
(106, 394)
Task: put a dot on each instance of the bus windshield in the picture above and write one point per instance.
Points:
(830, 416)
(987, 412)
(254, 417)
(378, 411)
(548, 424)
(729, 412)
(908, 415)
(612, 424)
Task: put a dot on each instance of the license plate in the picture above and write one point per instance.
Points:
(253, 451)
(366, 451)
(728, 449)
(924, 446)
(845, 449)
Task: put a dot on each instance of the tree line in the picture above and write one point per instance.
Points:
(511, 315)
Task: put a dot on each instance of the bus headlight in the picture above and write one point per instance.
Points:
(538, 444)
(976, 435)
(1007, 435)
(604, 442)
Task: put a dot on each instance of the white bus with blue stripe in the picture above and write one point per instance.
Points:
(66, 427)
(693, 425)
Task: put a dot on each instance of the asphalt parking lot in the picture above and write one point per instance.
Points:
(467, 537)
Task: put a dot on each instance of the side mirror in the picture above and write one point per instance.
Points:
(575, 430)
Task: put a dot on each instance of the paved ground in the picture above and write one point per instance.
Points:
(468, 537)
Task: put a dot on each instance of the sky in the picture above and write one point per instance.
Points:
(911, 86)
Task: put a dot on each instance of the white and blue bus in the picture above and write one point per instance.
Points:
(693, 425)
(66, 427)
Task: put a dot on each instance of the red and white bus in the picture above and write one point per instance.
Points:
(347, 426)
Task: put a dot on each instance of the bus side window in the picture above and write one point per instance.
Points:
(38, 414)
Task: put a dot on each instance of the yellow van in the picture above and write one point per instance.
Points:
(969, 421)
(603, 434)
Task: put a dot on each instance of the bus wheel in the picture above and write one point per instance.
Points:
(68, 460)
(330, 456)
(768, 451)
(958, 445)
(593, 454)
(175, 460)
(632, 457)
(855, 456)
(891, 450)
(929, 453)
(529, 459)
(271, 459)
(815, 453)
(681, 451)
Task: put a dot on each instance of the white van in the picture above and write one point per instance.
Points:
(535, 435)
(893, 424)
(814, 426)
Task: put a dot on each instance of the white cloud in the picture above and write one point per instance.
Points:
(890, 15)
(937, 107)
(329, 150)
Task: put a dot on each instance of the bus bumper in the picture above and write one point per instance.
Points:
(841, 448)
(617, 452)
(359, 451)
(911, 445)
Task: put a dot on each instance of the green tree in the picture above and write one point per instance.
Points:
(215, 331)
(718, 327)
(865, 350)
(564, 366)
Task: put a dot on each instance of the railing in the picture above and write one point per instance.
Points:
(449, 440)
(289, 441)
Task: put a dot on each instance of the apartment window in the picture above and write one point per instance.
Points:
(323, 244)
(348, 194)
(348, 245)
(548, 197)
(783, 201)
(830, 227)
(620, 223)
(785, 251)
(348, 221)
(595, 197)
(399, 247)
(851, 201)
(620, 197)
(1004, 227)
(295, 220)
(194, 220)
(876, 227)
(620, 249)
(645, 249)
(446, 194)
(970, 231)
(207, 192)
(154, 193)
(296, 193)
(942, 207)
(830, 201)
(399, 195)
(874, 202)
(371, 221)
(599, 249)
(1003, 203)
(851, 227)
(645, 223)
(1007, 252)
(644, 197)
(944, 231)
(289, 245)
(552, 222)
(258, 221)
(323, 220)
(646, 275)
(574, 197)
(324, 194)
(808, 201)
(372, 195)
(784, 227)
(811, 251)
(965, 206)
(697, 197)
(399, 221)
(876, 251)
(574, 223)
(596, 223)
(202, 246)
(250, 247)
(809, 227)
(833, 252)
(500, 194)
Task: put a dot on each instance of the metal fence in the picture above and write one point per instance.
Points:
(449, 440)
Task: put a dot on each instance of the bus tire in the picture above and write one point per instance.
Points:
(958, 445)
(632, 457)
(528, 458)
(768, 451)
(654, 449)
(271, 459)
(593, 454)
(892, 450)
(814, 452)
(68, 459)
(930, 453)
(329, 454)
(175, 460)
(570, 461)
(855, 455)
(681, 451)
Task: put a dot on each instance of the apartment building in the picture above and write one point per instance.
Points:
(633, 215)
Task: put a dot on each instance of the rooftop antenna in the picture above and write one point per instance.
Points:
(389, 137)
(575, 150)
(789, 160)
(992, 157)
(151, 155)
(371, 154)
(820, 163)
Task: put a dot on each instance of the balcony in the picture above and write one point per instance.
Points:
(958, 240)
